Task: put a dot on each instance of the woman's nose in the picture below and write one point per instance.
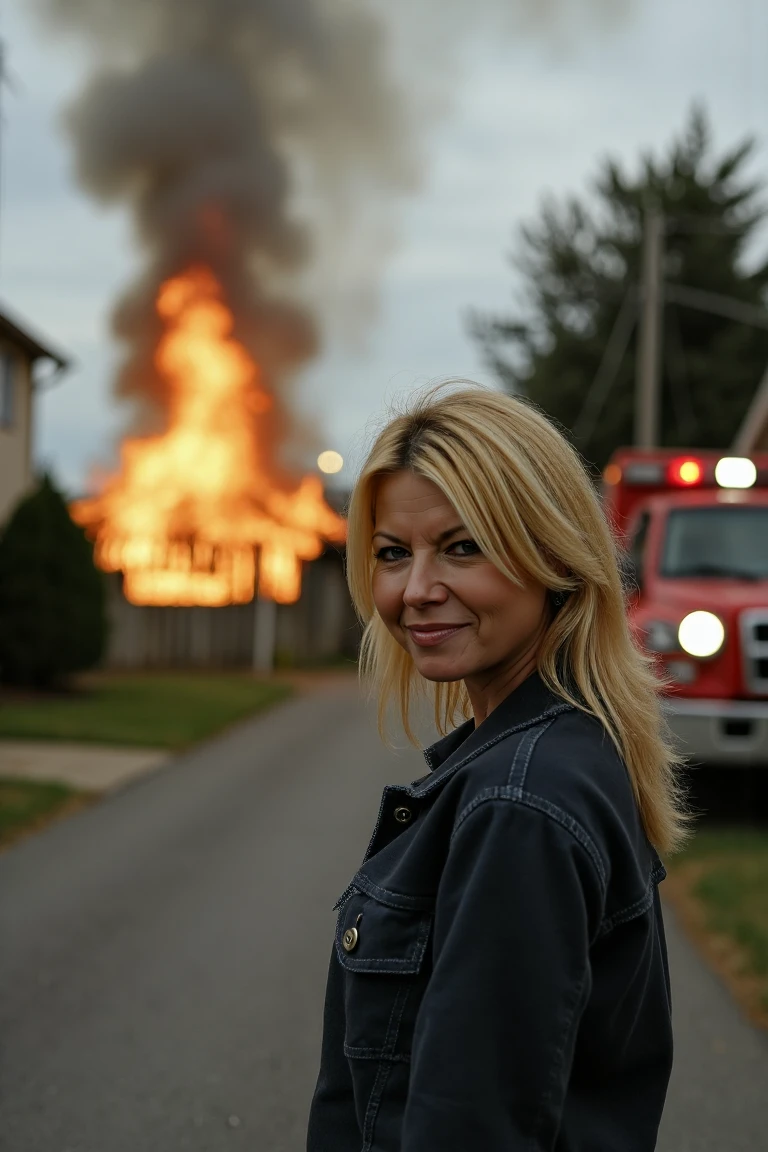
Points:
(422, 586)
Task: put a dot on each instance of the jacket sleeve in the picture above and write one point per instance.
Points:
(517, 906)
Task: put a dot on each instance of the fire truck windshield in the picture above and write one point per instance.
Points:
(722, 542)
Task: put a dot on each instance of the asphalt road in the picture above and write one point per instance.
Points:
(163, 954)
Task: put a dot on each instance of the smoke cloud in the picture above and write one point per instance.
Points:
(270, 140)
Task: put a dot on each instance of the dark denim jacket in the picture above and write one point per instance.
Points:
(499, 978)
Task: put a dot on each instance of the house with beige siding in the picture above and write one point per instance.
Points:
(26, 363)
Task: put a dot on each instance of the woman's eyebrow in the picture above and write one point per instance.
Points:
(388, 536)
(449, 532)
(442, 536)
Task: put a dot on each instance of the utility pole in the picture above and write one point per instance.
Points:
(648, 378)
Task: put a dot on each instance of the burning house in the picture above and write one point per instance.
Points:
(194, 508)
(195, 519)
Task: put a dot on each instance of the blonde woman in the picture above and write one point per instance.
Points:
(499, 978)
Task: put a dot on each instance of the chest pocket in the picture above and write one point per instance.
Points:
(383, 950)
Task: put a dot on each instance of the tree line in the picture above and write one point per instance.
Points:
(577, 267)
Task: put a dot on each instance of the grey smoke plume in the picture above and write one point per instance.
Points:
(268, 139)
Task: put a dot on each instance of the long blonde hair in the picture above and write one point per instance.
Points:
(523, 492)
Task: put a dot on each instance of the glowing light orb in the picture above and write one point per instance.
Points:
(330, 462)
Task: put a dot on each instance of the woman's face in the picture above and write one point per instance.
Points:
(442, 600)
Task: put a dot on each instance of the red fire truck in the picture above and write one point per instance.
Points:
(695, 529)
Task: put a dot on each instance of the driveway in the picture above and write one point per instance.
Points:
(164, 953)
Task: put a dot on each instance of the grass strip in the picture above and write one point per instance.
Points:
(26, 806)
(150, 710)
(719, 885)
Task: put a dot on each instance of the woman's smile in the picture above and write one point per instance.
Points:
(428, 635)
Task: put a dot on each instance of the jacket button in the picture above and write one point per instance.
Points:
(403, 815)
(349, 939)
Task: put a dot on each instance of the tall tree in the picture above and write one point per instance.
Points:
(578, 267)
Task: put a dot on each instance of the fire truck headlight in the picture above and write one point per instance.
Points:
(701, 634)
(660, 636)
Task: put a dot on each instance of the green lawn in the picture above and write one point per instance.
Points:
(25, 805)
(154, 710)
(725, 876)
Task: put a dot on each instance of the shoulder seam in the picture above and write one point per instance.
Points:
(519, 771)
(547, 808)
(637, 907)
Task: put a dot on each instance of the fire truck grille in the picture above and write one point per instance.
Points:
(754, 647)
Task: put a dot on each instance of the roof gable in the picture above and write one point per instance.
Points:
(12, 331)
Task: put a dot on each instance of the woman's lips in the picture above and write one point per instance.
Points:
(428, 635)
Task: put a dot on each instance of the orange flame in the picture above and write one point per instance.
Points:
(183, 517)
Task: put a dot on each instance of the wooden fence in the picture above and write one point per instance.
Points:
(319, 627)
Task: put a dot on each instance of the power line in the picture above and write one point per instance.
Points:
(615, 349)
(618, 341)
(719, 305)
(755, 424)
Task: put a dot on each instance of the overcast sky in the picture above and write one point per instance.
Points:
(530, 116)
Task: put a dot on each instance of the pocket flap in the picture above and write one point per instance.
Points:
(376, 937)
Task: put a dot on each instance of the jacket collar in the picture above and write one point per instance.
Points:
(530, 702)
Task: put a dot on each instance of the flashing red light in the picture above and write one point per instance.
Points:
(685, 472)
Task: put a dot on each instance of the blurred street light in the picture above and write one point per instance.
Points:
(330, 462)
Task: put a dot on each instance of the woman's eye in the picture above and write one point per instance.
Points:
(463, 548)
(391, 553)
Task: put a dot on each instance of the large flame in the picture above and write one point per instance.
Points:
(192, 517)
